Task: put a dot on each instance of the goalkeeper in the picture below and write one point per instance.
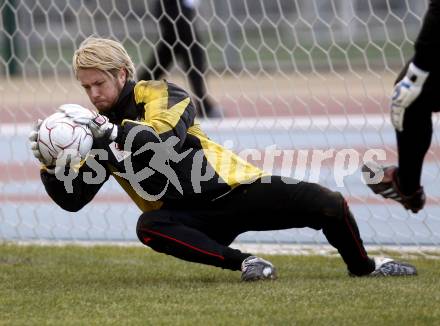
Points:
(416, 96)
(196, 197)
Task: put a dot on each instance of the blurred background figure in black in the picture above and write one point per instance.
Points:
(179, 38)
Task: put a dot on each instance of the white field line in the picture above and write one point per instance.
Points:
(360, 122)
(411, 251)
(313, 122)
(316, 122)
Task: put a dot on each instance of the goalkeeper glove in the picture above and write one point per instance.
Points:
(33, 140)
(76, 111)
(98, 124)
(100, 127)
(49, 167)
(405, 92)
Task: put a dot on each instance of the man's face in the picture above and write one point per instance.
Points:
(103, 89)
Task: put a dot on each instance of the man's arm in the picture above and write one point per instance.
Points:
(425, 60)
(427, 45)
(66, 183)
(72, 193)
(169, 110)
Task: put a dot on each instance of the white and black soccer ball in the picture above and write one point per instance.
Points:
(59, 135)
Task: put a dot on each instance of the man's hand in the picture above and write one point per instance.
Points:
(49, 167)
(77, 112)
(98, 124)
(33, 141)
(100, 127)
(405, 92)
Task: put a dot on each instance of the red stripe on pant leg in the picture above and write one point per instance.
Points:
(363, 253)
(184, 243)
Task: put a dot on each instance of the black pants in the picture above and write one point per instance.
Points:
(202, 232)
(179, 38)
(415, 139)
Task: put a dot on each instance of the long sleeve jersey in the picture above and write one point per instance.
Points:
(160, 154)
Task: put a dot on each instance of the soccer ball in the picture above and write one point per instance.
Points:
(59, 135)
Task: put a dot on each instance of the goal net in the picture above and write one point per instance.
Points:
(303, 87)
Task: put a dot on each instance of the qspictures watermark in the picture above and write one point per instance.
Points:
(296, 165)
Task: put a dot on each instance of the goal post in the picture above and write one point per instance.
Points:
(303, 86)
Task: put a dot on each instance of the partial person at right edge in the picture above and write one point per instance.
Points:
(416, 96)
(179, 37)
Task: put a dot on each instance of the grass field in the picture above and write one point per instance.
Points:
(106, 285)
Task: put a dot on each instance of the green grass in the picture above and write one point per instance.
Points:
(134, 286)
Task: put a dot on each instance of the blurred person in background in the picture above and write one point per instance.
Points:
(180, 38)
(415, 97)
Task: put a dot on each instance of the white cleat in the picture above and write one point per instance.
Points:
(254, 268)
(390, 267)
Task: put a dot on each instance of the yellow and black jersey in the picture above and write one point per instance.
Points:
(160, 153)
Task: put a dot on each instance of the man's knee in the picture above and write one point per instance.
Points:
(333, 204)
(327, 208)
(149, 225)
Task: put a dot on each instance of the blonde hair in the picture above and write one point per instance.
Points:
(103, 54)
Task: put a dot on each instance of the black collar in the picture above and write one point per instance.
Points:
(125, 107)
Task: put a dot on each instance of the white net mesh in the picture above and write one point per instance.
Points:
(310, 77)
